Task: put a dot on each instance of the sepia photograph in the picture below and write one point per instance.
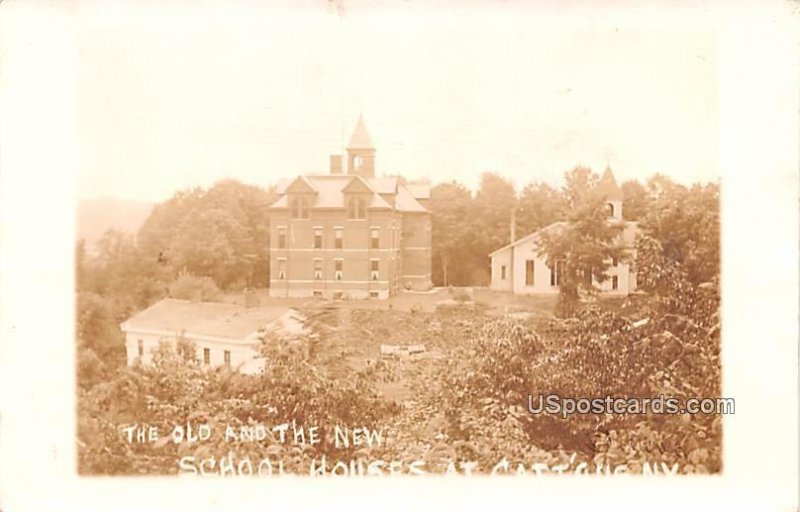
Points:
(343, 240)
(399, 245)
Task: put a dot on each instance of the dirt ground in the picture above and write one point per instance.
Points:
(494, 302)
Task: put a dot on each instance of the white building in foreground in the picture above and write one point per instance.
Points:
(224, 334)
(518, 268)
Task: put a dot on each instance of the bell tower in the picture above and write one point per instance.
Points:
(612, 194)
(360, 152)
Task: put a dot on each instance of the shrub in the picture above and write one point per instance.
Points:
(190, 287)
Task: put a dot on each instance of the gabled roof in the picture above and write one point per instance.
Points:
(552, 227)
(301, 185)
(629, 231)
(358, 185)
(212, 319)
(608, 188)
(331, 190)
(383, 185)
(360, 138)
(405, 202)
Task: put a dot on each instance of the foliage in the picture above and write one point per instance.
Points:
(636, 200)
(539, 206)
(450, 206)
(222, 233)
(685, 221)
(469, 392)
(97, 330)
(176, 390)
(582, 251)
(190, 287)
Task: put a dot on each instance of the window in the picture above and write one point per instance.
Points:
(141, 348)
(373, 295)
(555, 273)
(227, 357)
(299, 207)
(317, 238)
(614, 282)
(614, 262)
(356, 208)
(206, 356)
(317, 269)
(529, 273)
(281, 239)
(610, 209)
(337, 270)
(374, 269)
(281, 269)
(374, 240)
(503, 272)
(337, 243)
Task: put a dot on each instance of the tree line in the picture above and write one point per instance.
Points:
(467, 227)
(200, 243)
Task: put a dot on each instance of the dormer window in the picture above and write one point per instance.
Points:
(356, 208)
(299, 207)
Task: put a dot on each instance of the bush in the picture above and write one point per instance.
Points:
(190, 287)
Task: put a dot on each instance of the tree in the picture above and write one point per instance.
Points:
(636, 200)
(579, 186)
(98, 329)
(450, 206)
(685, 222)
(222, 233)
(212, 243)
(494, 203)
(189, 287)
(539, 206)
(156, 234)
(582, 251)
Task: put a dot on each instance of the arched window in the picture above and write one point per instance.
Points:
(356, 208)
(610, 209)
(299, 207)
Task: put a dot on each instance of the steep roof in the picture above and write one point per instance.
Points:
(330, 191)
(608, 187)
(204, 318)
(383, 185)
(360, 138)
(405, 202)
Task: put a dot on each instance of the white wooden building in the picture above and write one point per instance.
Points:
(518, 268)
(224, 334)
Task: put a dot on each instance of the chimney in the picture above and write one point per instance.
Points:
(513, 227)
(336, 164)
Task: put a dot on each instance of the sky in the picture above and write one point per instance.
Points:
(173, 96)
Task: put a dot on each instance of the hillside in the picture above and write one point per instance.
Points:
(96, 216)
